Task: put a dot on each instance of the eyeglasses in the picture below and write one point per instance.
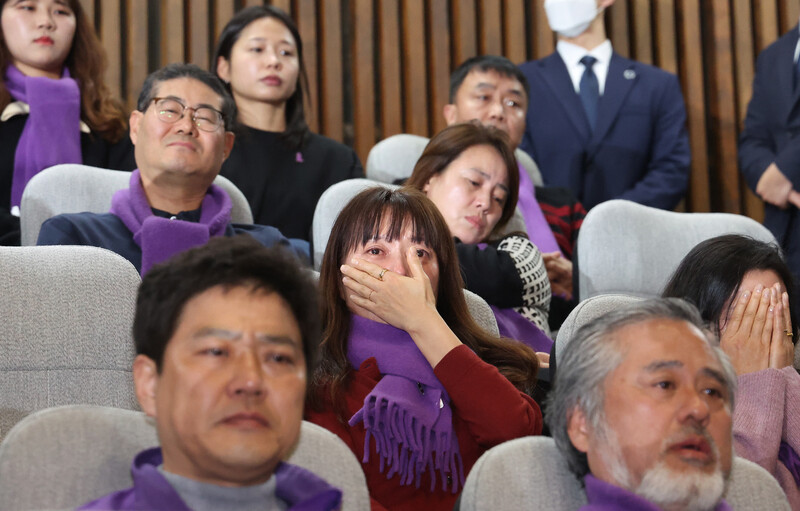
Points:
(171, 111)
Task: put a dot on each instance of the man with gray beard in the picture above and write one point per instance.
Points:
(641, 409)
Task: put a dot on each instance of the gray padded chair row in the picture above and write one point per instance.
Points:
(530, 473)
(85, 452)
(624, 247)
(74, 188)
(65, 336)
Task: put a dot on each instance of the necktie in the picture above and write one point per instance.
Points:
(589, 90)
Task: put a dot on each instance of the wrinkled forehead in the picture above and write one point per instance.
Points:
(492, 80)
(667, 344)
(188, 90)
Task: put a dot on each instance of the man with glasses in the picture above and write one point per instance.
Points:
(182, 132)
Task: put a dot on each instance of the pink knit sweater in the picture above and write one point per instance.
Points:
(768, 412)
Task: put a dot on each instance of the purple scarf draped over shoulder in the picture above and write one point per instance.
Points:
(408, 412)
(160, 238)
(52, 133)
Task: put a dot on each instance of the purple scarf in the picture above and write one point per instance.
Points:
(791, 461)
(300, 489)
(539, 231)
(408, 412)
(515, 326)
(160, 238)
(52, 133)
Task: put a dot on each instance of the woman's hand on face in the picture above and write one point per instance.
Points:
(559, 272)
(401, 301)
(781, 349)
(748, 333)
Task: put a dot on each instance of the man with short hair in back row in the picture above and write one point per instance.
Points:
(641, 410)
(226, 336)
(182, 130)
(492, 90)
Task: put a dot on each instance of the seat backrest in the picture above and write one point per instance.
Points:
(394, 158)
(530, 473)
(85, 452)
(330, 204)
(65, 334)
(481, 312)
(624, 247)
(74, 188)
(585, 311)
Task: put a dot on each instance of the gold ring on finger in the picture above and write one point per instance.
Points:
(380, 275)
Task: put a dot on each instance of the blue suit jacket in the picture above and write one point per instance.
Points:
(772, 127)
(639, 150)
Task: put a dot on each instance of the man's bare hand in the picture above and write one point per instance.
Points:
(774, 187)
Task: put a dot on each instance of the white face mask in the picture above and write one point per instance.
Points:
(570, 18)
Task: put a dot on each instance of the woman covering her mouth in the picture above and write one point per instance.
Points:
(406, 377)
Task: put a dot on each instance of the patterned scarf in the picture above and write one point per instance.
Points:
(52, 133)
(408, 412)
(160, 238)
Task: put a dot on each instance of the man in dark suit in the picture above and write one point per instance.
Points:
(769, 153)
(602, 125)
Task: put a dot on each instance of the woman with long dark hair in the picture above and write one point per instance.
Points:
(279, 164)
(470, 173)
(406, 377)
(745, 290)
(55, 105)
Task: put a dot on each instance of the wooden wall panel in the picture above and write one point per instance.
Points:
(385, 64)
(390, 69)
(439, 64)
(415, 72)
(330, 103)
(692, 73)
(363, 72)
(172, 32)
(137, 43)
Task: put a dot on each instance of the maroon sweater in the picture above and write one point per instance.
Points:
(487, 410)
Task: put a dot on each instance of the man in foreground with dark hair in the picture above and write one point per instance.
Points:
(641, 409)
(182, 130)
(225, 338)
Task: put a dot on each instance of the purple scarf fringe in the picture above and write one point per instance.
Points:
(408, 412)
(160, 238)
(52, 133)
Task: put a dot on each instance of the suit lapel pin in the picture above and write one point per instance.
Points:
(629, 74)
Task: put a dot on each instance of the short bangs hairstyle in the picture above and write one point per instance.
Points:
(237, 262)
(362, 220)
(180, 70)
(296, 126)
(711, 273)
(485, 63)
(595, 352)
(448, 145)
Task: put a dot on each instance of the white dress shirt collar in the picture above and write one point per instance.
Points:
(572, 54)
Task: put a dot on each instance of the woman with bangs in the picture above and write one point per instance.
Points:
(55, 107)
(470, 173)
(406, 377)
(279, 164)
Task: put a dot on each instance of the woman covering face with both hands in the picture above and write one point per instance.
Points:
(55, 106)
(281, 166)
(470, 173)
(406, 378)
(744, 288)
